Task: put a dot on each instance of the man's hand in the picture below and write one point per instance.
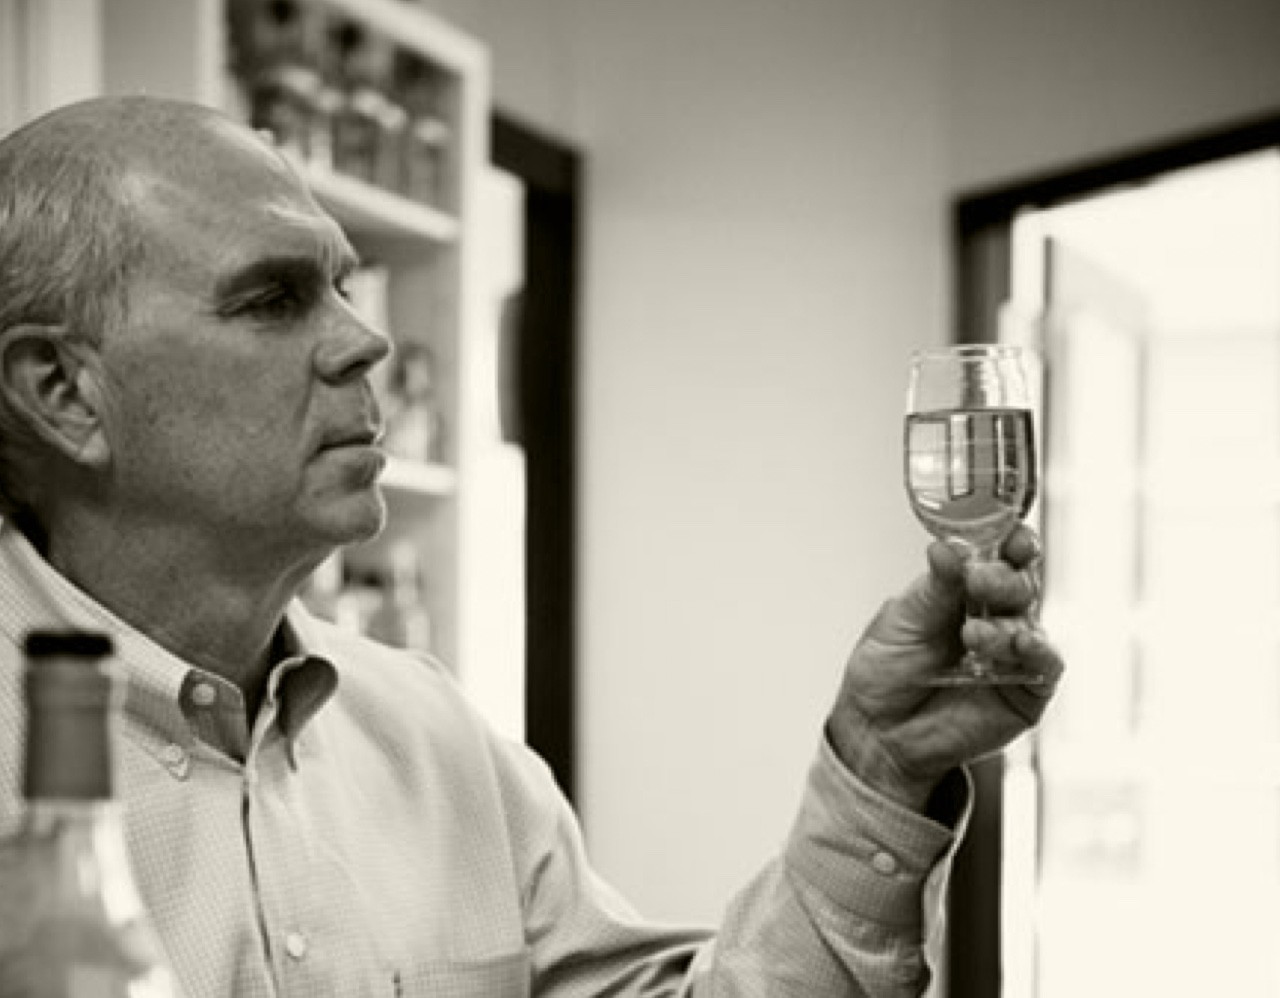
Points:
(901, 737)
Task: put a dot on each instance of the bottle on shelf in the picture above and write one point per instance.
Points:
(367, 124)
(323, 589)
(419, 87)
(71, 920)
(401, 617)
(275, 58)
(412, 415)
(358, 601)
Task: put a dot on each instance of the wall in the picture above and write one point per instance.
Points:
(30, 80)
(766, 241)
(764, 245)
(1041, 85)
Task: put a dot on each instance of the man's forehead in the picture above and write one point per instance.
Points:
(267, 214)
(310, 231)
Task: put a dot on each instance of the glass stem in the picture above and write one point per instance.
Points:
(977, 609)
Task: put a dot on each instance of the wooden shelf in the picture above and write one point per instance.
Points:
(376, 213)
(413, 25)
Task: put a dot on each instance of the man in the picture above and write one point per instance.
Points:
(186, 431)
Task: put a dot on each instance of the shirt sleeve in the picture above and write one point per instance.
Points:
(846, 909)
(853, 906)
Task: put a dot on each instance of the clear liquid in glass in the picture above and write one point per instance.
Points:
(971, 473)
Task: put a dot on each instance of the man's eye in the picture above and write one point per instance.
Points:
(340, 287)
(277, 303)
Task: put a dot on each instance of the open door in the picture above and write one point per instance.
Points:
(1141, 821)
(1073, 789)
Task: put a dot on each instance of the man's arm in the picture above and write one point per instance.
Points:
(854, 902)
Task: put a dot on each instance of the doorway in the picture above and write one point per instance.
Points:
(1148, 800)
(538, 374)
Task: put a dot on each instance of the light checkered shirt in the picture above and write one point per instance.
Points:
(371, 836)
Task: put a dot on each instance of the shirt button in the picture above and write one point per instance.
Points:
(295, 944)
(885, 863)
(175, 759)
(174, 754)
(204, 695)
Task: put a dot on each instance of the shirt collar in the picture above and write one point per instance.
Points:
(161, 687)
(305, 678)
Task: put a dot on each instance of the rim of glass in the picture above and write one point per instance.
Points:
(965, 351)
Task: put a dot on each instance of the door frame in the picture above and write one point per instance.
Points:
(546, 390)
(981, 242)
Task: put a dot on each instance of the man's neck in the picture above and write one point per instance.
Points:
(217, 611)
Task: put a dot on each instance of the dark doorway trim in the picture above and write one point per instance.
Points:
(546, 403)
(981, 225)
(982, 208)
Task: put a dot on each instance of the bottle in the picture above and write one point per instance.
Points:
(366, 123)
(419, 87)
(401, 618)
(413, 419)
(71, 921)
(274, 58)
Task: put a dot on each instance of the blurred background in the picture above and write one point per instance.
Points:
(768, 214)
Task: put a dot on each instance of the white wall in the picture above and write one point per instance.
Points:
(31, 80)
(1039, 85)
(752, 290)
(766, 240)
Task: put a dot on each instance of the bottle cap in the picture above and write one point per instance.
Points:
(77, 644)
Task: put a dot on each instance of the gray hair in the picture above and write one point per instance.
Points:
(69, 244)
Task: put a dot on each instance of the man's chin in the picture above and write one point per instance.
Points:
(361, 518)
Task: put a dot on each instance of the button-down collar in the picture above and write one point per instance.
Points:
(175, 703)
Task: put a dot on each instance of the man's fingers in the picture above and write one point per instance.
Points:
(935, 599)
(947, 560)
(1022, 547)
(1015, 644)
(1002, 589)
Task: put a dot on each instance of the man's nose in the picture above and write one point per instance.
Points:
(351, 347)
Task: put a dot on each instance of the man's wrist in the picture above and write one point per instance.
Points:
(868, 760)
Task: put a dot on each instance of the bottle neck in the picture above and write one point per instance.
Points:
(68, 756)
(71, 708)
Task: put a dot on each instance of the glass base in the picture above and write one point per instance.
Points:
(983, 679)
(973, 672)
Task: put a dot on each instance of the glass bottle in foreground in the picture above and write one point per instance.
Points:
(71, 922)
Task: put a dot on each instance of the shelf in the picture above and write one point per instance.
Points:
(415, 478)
(376, 213)
(411, 24)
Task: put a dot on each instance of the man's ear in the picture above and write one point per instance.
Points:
(45, 382)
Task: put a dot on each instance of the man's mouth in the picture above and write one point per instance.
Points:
(365, 436)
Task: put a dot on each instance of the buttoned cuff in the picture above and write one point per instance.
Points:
(864, 852)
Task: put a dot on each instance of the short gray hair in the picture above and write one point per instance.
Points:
(69, 244)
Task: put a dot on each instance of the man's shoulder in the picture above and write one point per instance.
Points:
(391, 681)
(362, 658)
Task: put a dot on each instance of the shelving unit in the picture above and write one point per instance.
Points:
(427, 250)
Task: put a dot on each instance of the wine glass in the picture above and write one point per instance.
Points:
(970, 462)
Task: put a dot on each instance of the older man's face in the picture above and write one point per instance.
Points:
(237, 405)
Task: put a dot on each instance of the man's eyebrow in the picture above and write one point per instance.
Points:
(288, 267)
